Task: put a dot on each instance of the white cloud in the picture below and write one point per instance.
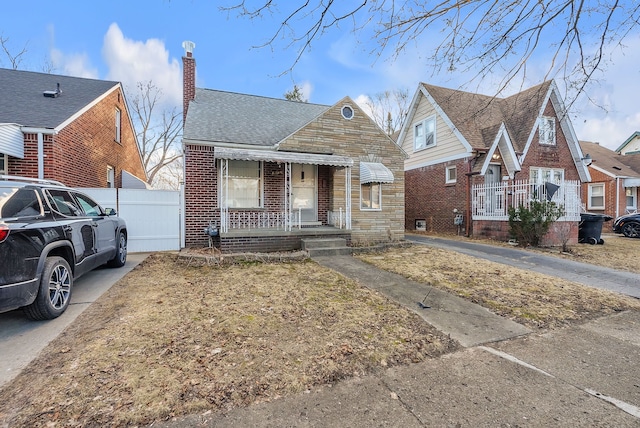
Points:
(76, 65)
(130, 61)
(307, 89)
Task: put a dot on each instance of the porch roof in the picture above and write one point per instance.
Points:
(274, 156)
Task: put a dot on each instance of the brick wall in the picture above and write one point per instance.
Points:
(79, 154)
(201, 197)
(609, 194)
(262, 244)
(429, 198)
(559, 232)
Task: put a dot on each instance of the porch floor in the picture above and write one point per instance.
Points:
(302, 232)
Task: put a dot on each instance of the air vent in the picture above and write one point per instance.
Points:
(53, 94)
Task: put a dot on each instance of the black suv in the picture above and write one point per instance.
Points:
(49, 235)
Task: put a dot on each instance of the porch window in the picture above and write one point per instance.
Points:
(547, 131)
(424, 134)
(4, 164)
(539, 175)
(596, 196)
(371, 196)
(245, 184)
(631, 195)
(451, 175)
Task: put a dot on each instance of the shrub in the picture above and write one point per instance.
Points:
(529, 224)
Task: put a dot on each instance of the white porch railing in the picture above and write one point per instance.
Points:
(337, 219)
(492, 201)
(259, 220)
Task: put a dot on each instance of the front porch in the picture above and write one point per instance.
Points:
(273, 239)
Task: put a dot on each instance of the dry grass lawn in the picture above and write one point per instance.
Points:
(172, 339)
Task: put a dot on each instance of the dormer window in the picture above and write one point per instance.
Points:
(424, 134)
(547, 131)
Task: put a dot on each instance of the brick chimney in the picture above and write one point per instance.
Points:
(188, 77)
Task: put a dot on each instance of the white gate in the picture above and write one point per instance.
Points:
(154, 217)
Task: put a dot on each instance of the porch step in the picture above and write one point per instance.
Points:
(326, 247)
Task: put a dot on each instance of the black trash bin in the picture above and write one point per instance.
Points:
(590, 227)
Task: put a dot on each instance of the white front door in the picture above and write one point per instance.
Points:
(304, 191)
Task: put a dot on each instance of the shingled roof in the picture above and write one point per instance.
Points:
(615, 164)
(23, 103)
(476, 116)
(228, 117)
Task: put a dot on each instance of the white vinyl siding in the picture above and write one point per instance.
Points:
(596, 196)
(448, 145)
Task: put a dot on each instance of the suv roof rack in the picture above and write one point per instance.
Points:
(31, 180)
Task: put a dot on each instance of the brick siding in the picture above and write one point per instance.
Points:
(79, 154)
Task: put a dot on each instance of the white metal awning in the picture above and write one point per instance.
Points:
(632, 182)
(284, 157)
(11, 140)
(375, 172)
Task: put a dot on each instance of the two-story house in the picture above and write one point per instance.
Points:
(471, 156)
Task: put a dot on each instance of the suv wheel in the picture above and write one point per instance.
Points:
(121, 254)
(631, 230)
(54, 292)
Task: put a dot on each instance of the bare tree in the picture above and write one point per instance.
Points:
(157, 132)
(14, 59)
(389, 109)
(480, 36)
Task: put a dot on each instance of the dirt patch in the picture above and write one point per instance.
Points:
(172, 339)
(532, 299)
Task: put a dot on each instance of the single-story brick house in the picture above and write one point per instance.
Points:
(471, 156)
(266, 172)
(69, 129)
(613, 189)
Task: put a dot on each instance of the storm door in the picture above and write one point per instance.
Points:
(304, 192)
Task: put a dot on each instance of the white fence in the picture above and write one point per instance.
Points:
(154, 217)
(492, 201)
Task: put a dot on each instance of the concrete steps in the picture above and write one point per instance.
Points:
(326, 247)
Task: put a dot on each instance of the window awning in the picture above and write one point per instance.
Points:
(11, 140)
(284, 157)
(632, 182)
(375, 172)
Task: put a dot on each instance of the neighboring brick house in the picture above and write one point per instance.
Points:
(613, 189)
(268, 172)
(69, 129)
(471, 156)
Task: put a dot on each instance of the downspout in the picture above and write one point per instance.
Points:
(618, 197)
(40, 156)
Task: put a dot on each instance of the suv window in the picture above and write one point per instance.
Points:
(19, 202)
(63, 202)
(90, 207)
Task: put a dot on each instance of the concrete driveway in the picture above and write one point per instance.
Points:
(21, 339)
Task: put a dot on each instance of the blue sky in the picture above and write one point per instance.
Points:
(141, 40)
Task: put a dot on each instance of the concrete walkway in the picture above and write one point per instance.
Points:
(464, 321)
(594, 276)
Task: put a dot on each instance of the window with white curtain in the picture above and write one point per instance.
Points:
(424, 134)
(547, 131)
(245, 184)
(631, 197)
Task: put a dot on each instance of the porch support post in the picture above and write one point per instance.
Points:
(287, 196)
(347, 191)
(224, 192)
